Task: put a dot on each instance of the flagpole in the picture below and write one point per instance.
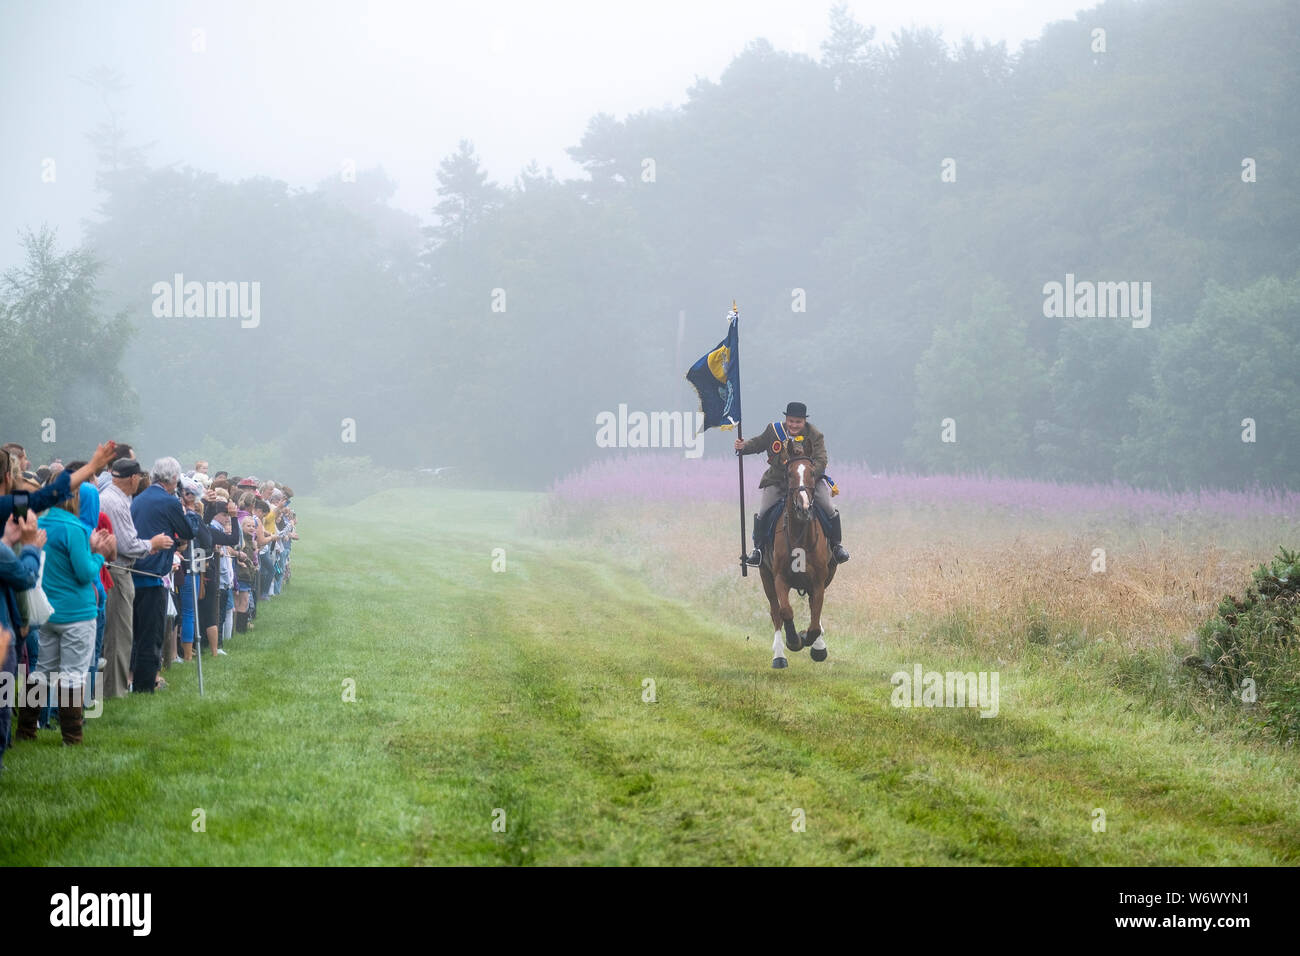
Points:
(740, 457)
(740, 460)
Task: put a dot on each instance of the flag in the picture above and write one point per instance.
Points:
(716, 377)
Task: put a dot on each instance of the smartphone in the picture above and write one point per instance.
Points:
(20, 505)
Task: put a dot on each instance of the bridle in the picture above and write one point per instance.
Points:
(798, 496)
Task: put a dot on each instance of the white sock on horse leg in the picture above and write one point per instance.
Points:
(778, 645)
(819, 644)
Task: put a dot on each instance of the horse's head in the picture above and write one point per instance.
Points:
(799, 482)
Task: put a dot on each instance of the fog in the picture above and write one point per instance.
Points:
(368, 238)
(290, 89)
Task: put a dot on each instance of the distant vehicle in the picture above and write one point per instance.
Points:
(437, 472)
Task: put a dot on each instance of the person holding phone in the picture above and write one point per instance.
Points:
(59, 490)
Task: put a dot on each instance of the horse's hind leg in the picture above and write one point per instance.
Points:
(813, 639)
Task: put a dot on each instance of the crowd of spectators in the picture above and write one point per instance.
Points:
(110, 575)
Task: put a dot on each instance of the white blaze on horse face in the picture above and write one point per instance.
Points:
(803, 492)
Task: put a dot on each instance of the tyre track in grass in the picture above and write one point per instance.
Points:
(1011, 790)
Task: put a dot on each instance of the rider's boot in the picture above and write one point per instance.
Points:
(837, 549)
(756, 556)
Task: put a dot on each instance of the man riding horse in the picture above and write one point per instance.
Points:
(796, 428)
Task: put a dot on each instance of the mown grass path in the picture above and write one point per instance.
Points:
(522, 691)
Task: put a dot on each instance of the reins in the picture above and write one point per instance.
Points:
(789, 506)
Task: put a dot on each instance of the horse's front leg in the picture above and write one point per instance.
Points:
(813, 639)
(792, 639)
(774, 608)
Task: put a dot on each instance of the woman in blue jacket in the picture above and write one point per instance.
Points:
(17, 573)
(73, 558)
(88, 511)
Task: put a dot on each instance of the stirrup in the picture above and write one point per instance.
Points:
(755, 558)
(840, 555)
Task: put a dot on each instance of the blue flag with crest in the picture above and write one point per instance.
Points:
(716, 377)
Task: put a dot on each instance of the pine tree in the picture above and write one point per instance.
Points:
(467, 195)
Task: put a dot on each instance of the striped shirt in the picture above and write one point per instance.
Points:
(114, 502)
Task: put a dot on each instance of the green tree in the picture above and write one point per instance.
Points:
(468, 197)
(1236, 360)
(846, 52)
(982, 373)
(62, 356)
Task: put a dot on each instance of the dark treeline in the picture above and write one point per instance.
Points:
(790, 181)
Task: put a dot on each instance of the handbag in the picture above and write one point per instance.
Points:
(33, 603)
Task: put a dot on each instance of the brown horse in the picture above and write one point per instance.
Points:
(799, 558)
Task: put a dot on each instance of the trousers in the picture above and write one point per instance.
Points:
(150, 612)
(117, 632)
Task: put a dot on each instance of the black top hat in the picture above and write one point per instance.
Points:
(796, 410)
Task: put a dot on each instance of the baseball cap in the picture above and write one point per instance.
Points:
(126, 468)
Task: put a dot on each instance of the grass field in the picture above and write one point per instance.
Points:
(522, 694)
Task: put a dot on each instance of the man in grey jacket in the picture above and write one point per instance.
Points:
(115, 501)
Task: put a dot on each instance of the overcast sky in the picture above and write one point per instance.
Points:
(292, 89)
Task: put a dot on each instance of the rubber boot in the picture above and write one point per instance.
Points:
(756, 556)
(70, 714)
(241, 622)
(837, 550)
(28, 713)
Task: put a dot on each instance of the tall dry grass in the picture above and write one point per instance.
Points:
(1005, 576)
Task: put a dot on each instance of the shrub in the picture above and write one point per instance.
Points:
(266, 460)
(1255, 639)
(342, 480)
